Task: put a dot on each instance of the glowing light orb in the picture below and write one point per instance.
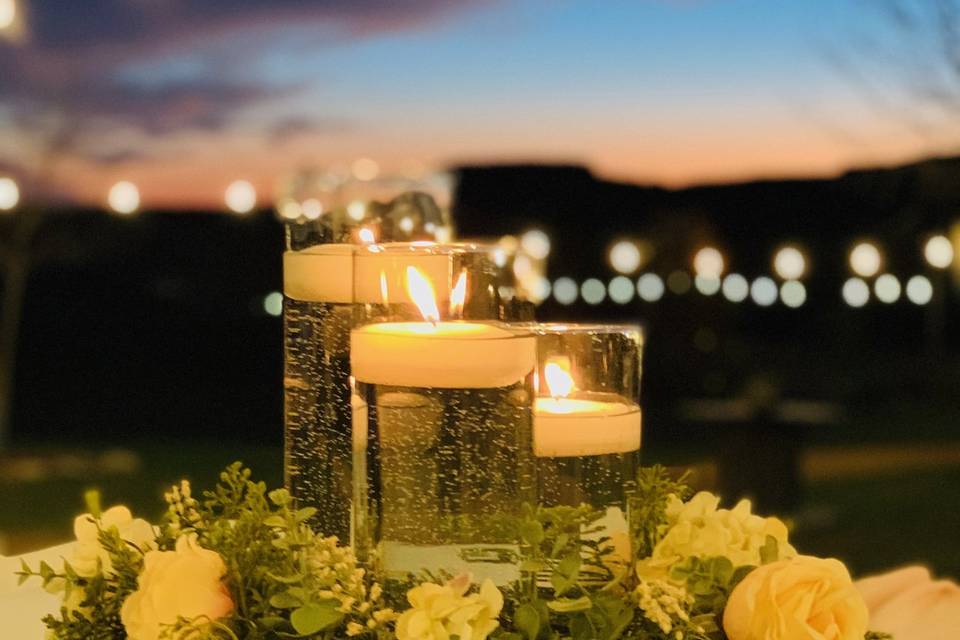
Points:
(273, 303)
(565, 290)
(707, 285)
(593, 291)
(124, 198)
(9, 194)
(856, 292)
(865, 259)
(621, 290)
(764, 291)
(938, 252)
(650, 287)
(887, 288)
(312, 208)
(289, 209)
(793, 294)
(625, 257)
(240, 197)
(708, 262)
(736, 288)
(356, 210)
(789, 263)
(919, 290)
(8, 14)
(406, 224)
(536, 244)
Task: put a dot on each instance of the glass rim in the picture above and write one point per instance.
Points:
(424, 247)
(512, 330)
(583, 328)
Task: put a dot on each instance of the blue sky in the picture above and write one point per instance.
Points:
(641, 90)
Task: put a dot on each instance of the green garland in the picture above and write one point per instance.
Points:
(285, 581)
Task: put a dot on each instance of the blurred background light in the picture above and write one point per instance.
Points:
(621, 290)
(537, 287)
(938, 252)
(856, 293)
(565, 290)
(536, 244)
(9, 194)
(793, 294)
(919, 290)
(764, 291)
(289, 209)
(365, 169)
(406, 224)
(273, 303)
(679, 282)
(124, 197)
(625, 257)
(312, 208)
(708, 262)
(510, 244)
(522, 267)
(499, 257)
(789, 263)
(241, 197)
(736, 288)
(593, 291)
(650, 287)
(865, 259)
(8, 13)
(887, 288)
(356, 210)
(707, 285)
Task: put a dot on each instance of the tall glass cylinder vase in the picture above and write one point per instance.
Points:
(449, 393)
(323, 230)
(587, 420)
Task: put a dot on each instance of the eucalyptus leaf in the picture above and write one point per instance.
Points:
(527, 620)
(313, 618)
(571, 605)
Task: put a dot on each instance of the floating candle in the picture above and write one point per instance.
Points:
(451, 354)
(589, 425)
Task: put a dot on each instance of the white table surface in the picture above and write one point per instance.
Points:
(22, 608)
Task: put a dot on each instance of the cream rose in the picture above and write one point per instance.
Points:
(803, 598)
(186, 583)
(441, 611)
(911, 605)
(699, 528)
(88, 549)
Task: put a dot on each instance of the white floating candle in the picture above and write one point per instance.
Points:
(449, 355)
(565, 426)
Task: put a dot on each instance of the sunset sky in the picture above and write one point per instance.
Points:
(184, 96)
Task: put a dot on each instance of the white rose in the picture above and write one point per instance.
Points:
(183, 584)
(88, 549)
(911, 605)
(803, 598)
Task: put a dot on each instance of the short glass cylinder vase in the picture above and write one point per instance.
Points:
(587, 420)
(449, 393)
(326, 222)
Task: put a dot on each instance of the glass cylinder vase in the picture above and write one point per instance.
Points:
(449, 393)
(327, 218)
(587, 420)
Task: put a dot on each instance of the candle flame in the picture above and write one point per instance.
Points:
(423, 295)
(458, 295)
(366, 235)
(558, 379)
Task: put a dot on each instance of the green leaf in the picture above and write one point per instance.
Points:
(279, 497)
(565, 576)
(285, 600)
(532, 532)
(275, 521)
(570, 605)
(313, 618)
(528, 621)
(562, 540)
(305, 514)
(770, 551)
